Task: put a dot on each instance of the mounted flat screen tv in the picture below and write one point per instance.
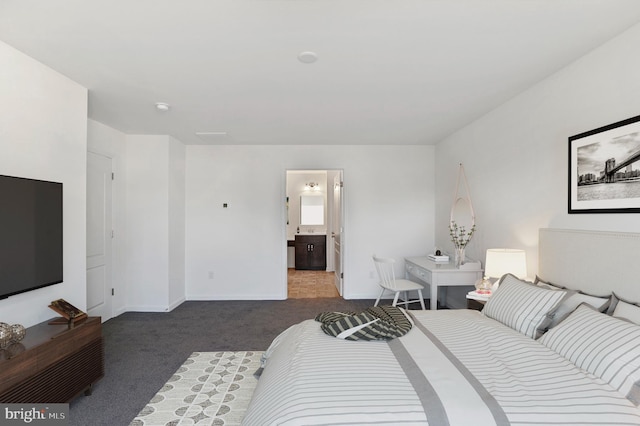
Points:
(30, 234)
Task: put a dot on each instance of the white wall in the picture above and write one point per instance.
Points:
(109, 142)
(516, 156)
(389, 208)
(155, 223)
(176, 222)
(43, 128)
(147, 239)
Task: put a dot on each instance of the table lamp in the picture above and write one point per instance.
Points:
(499, 262)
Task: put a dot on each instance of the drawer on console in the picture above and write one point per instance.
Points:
(419, 273)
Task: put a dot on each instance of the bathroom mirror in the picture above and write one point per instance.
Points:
(311, 210)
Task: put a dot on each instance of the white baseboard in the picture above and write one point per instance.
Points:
(147, 308)
(176, 303)
(118, 312)
(207, 297)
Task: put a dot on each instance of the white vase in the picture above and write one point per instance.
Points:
(460, 257)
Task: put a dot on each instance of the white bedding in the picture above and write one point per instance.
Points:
(455, 367)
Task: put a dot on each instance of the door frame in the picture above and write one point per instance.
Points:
(338, 179)
(108, 237)
(330, 243)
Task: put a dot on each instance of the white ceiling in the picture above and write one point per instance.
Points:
(388, 71)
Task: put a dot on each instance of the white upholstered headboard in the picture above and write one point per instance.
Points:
(595, 262)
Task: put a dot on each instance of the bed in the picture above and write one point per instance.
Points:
(515, 363)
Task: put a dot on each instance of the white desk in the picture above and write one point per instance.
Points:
(440, 274)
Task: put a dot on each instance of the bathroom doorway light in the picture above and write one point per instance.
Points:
(312, 186)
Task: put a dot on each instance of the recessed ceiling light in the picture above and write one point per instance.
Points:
(162, 106)
(307, 57)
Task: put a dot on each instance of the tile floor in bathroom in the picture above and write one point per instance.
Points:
(311, 284)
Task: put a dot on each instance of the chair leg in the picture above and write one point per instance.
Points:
(421, 299)
(395, 299)
(379, 297)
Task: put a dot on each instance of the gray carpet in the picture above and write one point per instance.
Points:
(143, 350)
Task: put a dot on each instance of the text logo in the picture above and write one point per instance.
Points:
(34, 414)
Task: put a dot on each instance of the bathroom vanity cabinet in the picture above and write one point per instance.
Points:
(311, 252)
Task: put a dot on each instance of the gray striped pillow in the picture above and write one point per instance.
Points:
(605, 346)
(375, 323)
(522, 306)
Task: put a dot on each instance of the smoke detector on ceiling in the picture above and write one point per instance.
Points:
(307, 57)
(163, 106)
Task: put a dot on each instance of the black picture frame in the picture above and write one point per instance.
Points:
(604, 169)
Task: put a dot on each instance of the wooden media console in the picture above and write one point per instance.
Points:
(54, 364)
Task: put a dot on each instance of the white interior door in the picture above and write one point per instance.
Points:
(337, 232)
(99, 234)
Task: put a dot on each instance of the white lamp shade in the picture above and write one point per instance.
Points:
(502, 261)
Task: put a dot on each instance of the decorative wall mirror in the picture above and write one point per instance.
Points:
(312, 210)
(462, 221)
(462, 213)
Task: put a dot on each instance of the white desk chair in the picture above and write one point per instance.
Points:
(388, 282)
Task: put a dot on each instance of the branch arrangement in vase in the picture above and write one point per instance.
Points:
(460, 236)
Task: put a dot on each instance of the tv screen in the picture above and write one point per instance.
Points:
(30, 234)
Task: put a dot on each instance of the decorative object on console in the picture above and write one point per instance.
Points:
(460, 237)
(462, 220)
(5, 335)
(483, 286)
(601, 179)
(70, 314)
(10, 337)
(17, 332)
(483, 291)
(437, 257)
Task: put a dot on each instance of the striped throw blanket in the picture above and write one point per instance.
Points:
(375, 323)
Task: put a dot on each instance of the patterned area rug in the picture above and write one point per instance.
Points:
(210, 388)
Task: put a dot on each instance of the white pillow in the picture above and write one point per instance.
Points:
(571, 302)
(627, 311)
(606, 347)
(544, 284)
(522, 306)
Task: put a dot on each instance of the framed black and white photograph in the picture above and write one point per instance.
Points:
(604, 169)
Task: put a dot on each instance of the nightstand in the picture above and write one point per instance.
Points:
(474, 304)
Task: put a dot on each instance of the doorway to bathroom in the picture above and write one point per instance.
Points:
(315, 233)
